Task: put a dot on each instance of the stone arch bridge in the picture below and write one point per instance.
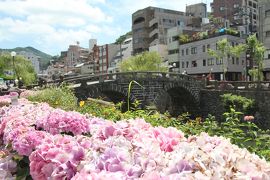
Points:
(174, 92)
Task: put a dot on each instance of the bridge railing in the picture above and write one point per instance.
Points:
(130, 76)
(238, 85)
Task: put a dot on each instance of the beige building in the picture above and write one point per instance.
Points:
(76, 55)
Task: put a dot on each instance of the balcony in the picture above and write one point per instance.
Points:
(152, 33)
(153, 21)
(154, 42)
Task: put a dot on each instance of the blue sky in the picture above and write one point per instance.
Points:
(52, 25)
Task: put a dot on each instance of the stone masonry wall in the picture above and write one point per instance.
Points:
(211, 104)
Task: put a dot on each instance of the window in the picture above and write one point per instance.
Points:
(254, 5)
(204, 62)
(243, 62)
(187, 64)
(210, 62)
(237, 61)
(187, 51)
(267, 33)
(268, 56)
(219, 61)
(232, 60)
(235, 5)
(208, 46)
(267, 13)
(183, 64)
(183, 52)
(174, 51)
(193, 50)
(194, 64)
(222, 8)
(203, 48)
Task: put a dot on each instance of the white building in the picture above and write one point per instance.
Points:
(124, 53)
(195, 60)
(31, 57)
(173, 44)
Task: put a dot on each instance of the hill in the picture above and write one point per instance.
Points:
(45, 58)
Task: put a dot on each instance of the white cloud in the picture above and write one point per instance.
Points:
(72, 8)
(54, 24)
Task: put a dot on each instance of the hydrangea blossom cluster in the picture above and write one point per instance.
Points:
(7, 165)
(59, 121)
(4, 100)
(100, 149)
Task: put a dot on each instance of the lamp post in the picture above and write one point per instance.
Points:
(13, 54)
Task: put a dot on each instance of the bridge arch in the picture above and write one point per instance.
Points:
(177, 98)
(109, 91)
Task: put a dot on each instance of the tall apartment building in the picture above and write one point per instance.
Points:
(150, 25)
(197, 10)
(195, 60)
(264, 32)
(33, 58)
(242, 14)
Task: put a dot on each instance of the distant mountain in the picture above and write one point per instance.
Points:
(45, 58)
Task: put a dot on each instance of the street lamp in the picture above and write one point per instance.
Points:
(13, 54)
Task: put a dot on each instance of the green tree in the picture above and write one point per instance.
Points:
(147, 61)
(225, 50)
(23, 68)
(122, 38)
(257, 51)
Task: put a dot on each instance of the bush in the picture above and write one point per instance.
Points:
(241, 104)
(61, 97)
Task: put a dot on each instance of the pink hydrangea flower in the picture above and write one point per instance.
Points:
(248, 118)
(59, 121)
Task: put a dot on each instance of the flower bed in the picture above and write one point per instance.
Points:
(69, 145)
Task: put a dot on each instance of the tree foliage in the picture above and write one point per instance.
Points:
(184, 38)
(122, 38)
(23, 68)
(147, 61)
(257, 51)
(224, 50)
